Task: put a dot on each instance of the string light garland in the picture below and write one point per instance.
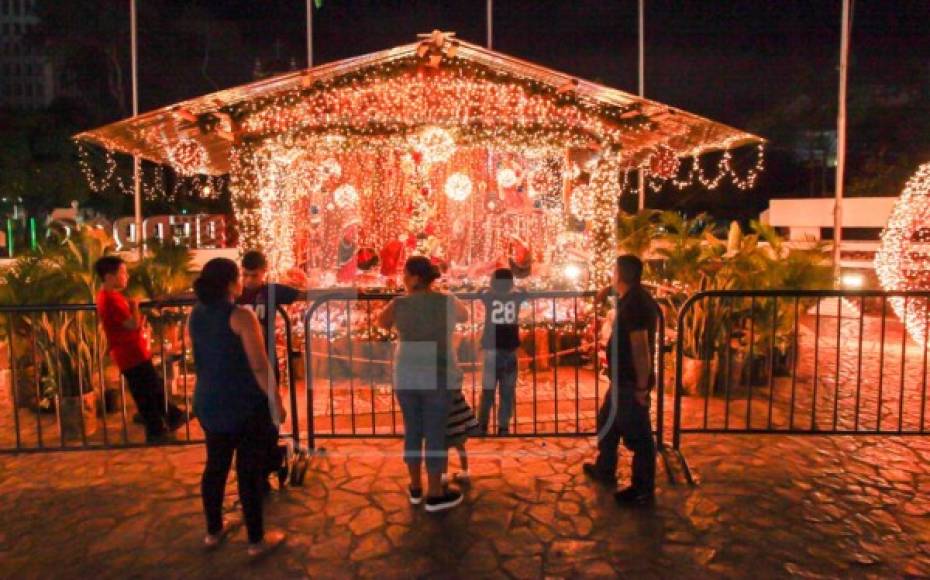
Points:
(903, 260)
(448, 156)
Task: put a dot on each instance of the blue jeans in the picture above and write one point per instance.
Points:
(500, 368)
(424, 403)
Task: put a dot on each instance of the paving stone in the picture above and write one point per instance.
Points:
(371, 546)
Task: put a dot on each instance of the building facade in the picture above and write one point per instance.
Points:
(26, 75)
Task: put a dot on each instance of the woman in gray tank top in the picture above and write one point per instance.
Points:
(424, 368)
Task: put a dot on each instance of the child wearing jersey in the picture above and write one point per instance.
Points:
(500, 342)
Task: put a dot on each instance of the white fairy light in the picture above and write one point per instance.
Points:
(903, 261)
(345, 196)
(458, 187)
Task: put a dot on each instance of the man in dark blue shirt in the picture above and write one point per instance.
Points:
(264, 298)
(625, 412)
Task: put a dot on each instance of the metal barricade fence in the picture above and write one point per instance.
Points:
(348, 373)
(801, 363)
(63, 394)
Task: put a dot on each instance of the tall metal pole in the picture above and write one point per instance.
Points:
(309, 33)
(642, 93)
(841, 145)
(490, 25)
(136, 161)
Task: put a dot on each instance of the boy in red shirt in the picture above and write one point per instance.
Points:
(122, 323)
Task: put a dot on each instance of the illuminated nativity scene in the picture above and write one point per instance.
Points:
(440, 148)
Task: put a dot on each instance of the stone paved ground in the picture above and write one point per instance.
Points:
(766, 507)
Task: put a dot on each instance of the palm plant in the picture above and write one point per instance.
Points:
(635, 232)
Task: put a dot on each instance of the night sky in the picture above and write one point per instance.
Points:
(730, 60)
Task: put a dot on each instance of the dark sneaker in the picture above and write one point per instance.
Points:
(415, 495)
(592, 471)
(446, 501)
(503, 432)
(634, 497)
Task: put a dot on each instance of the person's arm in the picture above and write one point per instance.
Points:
(279, 294)
(602, 295)
(386, 318)
(245, 324)
(459, 308)
(642, 364)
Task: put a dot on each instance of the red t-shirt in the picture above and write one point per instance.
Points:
(127, 347)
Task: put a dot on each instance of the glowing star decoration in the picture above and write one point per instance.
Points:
(433, 144)
(458, 187)
(345, 196)
(903, 260)
(506, 177)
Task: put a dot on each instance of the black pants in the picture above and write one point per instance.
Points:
(251, 447)
(148, 392)
(621, 417)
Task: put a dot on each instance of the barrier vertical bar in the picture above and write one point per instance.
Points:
(836, 379)
(101, 376)
(708, 353)
(371, 367)
(660, 390)
(291, 381)
(535, 363)
(329, 366)
(579, 339)
(55, 322)
(679, 358)
(350, 342)
(814, 426)
(752, 344)
(795, 355)
(80, 377)
(772, 352)
(14, 387)
(185, 372)
(555, 364)
(729, 367)
(859, 363)
(923, 374)
(903, 370)
(881, 365)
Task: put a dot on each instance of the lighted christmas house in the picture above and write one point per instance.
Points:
(440, 148)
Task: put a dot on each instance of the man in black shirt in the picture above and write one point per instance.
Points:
(500, 342)
(625, 412)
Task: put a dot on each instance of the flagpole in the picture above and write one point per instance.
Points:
(136, 161)
(641, 174)
(309, 33)
(490, 23)
(841, 146)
